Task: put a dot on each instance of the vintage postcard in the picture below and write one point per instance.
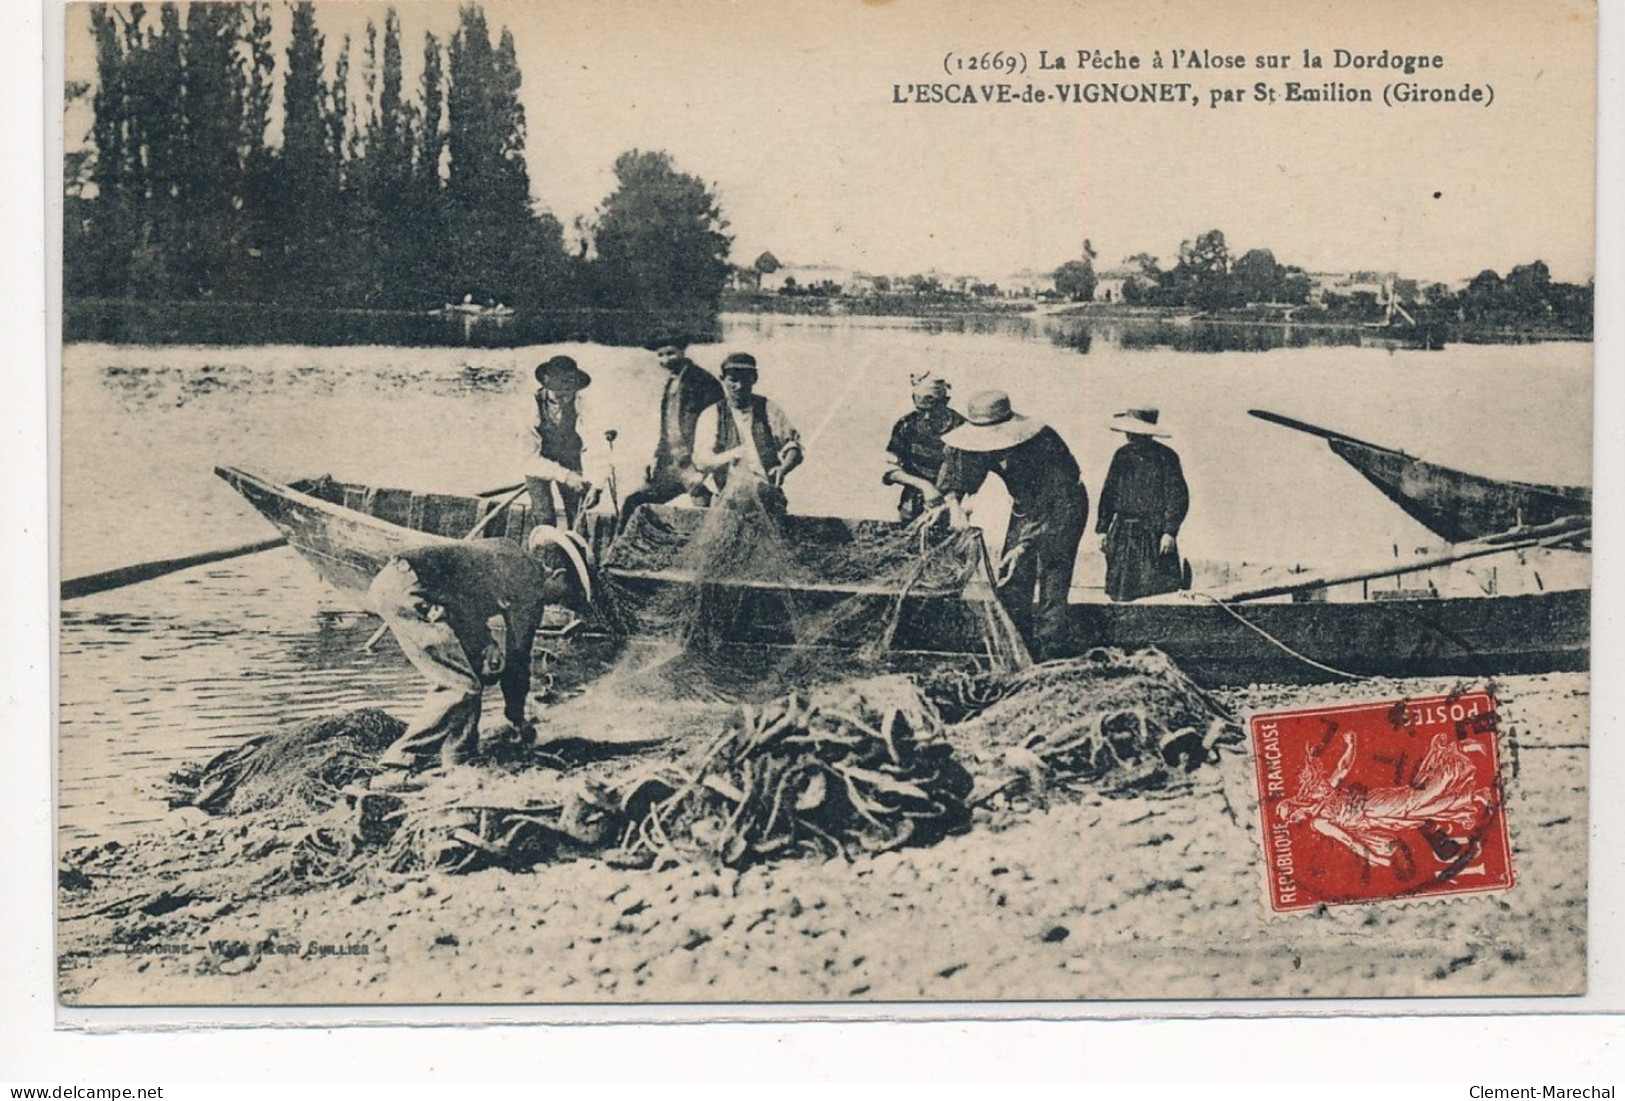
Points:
(828, 503)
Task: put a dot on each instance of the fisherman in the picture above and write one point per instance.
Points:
(466, 616)
(1142, 504)
(558, 489)
(1049, 509)
(689, 391)
(916, 447)
(746, 437)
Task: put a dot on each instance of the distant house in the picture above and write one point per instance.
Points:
(805, 275)
(1109, 284)
(1029, 283)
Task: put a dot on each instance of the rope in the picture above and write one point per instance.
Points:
(1283, 647)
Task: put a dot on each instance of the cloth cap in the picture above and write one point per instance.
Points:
(1138, 422)
(739, 363)
(561, 373)
(991, 425)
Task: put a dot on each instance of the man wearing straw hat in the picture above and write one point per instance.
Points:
(1142, 505)
(916, 448)
(1049, 509)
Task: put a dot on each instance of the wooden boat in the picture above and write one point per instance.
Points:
(348, 531)
(1456, 506)
(841, 578)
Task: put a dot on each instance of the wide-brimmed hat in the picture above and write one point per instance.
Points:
(1138, 422)
(561, 373)
(739, 363)
(991, 425)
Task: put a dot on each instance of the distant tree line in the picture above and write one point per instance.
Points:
(1207, 277)
(374, 198)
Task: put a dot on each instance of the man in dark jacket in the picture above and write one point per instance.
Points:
(466, 615)
(1142, 505)
(1049, 509)
(689, 391)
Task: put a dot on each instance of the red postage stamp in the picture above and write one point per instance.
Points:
(1380, 801)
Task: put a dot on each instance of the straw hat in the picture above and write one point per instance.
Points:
(1138, 422)
(991, 425)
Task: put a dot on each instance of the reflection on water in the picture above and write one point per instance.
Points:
(1210, 336)
(176, 669)
(236, 323)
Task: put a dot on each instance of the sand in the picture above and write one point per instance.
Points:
(1153, 896)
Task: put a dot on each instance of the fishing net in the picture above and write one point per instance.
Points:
(296, 772)
(1120, 722)
(841, 771)
(749, 594)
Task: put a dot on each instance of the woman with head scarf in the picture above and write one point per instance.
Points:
(916, 448)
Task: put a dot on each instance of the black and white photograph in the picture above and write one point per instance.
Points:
(823, 504)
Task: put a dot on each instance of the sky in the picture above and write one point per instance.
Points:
(786, 107)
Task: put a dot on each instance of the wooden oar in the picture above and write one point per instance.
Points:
(94, 583)
(473, 533)
(1546, 535)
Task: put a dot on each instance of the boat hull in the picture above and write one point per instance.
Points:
(1232, 644)
(1455, 505)
(346, 548)
(1478, 637)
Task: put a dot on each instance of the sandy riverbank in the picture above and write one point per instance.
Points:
(1156, 895)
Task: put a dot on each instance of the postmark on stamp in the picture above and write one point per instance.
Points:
(1381, 801)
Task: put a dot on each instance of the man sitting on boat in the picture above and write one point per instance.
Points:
(745, 438)
(1049, 509)
(1142, 505)
(916, 448)
(689, 391)
(558, 489)
(466, 616)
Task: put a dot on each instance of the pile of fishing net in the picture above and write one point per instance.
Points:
(841, 771)
(1118, 722)
(472, 819)
(296, 772)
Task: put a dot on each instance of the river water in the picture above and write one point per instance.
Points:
(176, 669)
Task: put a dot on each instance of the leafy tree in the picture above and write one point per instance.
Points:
(1257, 276)
(661, 240)
(487, 123)
(1076, 278)
(767, 264)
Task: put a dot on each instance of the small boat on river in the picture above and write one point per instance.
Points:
(856, 581)
(1456, 506)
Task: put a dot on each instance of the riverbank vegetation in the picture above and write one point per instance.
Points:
(371, 197)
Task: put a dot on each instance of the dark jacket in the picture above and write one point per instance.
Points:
(686, 395)
(1040, 474)
(559, 441)
(476, 580)
(763, 439)
(1145, 484)
(1143, 500)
